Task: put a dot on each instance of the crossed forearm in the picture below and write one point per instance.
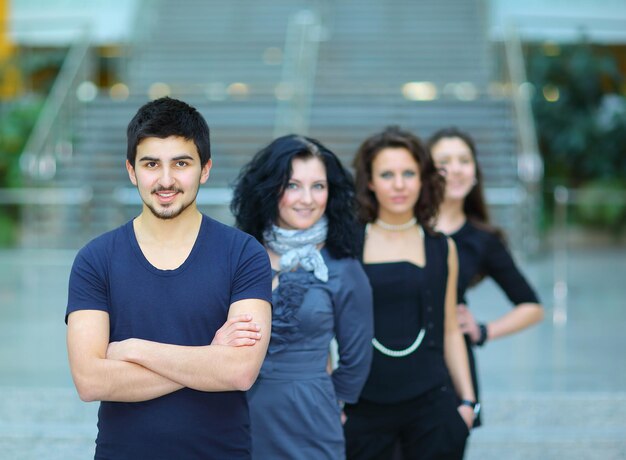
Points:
(113, 380)
(203, 368)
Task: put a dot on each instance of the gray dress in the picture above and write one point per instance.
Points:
(294, 410)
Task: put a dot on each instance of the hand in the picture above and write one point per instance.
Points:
(467, 322)
(467, 414)
(119, 351)
(342, 415)
(238, 331)
(329, 365)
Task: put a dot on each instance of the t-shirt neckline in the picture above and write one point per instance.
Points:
(130, 231)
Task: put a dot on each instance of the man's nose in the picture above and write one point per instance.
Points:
(166, 179)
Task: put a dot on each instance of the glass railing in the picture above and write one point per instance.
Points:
(295, 91)
(51, 138)
(529, 162)
(564, 200)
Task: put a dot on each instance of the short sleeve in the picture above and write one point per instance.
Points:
(354, 330)
(252, 274)
(499, 264)
(87, 285)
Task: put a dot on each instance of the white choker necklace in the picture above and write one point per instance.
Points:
(396, 228)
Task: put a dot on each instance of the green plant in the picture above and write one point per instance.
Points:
(581, 122)
(7, 228)
(38, 69)
(602, 204)
(16, 123)
(580, 113)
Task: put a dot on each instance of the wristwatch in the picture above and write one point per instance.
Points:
(483, 335)
(473, 404)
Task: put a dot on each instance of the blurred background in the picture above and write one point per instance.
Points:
(539, 84)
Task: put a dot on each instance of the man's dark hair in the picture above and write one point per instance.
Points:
(167, 117)
(261, 184)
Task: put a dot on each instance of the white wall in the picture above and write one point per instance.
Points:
(57, 22)
(603, 21)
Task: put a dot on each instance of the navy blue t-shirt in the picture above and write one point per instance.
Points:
(184, 306)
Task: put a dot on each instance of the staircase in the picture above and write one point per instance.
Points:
(375, 48)
(225, 59)
(548, 393)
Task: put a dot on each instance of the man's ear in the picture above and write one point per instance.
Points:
(206, 169)
(131, 173)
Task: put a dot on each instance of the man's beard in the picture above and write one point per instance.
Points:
(168, 213)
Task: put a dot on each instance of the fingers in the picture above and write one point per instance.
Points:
(467, 414)
(241, 342)
(235, 341)
(240, 323)
(239, 335)
(238, 331)
(463, 319)
(242, 329)
(238, 319)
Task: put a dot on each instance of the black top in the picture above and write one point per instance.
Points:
(482, 252)
(408, 298)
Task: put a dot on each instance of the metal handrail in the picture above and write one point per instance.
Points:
(530, 167)
(56, 108)
(529, 162)
(46, 196)
(563, 197)
(298, 76)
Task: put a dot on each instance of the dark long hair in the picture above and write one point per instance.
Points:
(474, 206)
(262, 181)
(433, 185)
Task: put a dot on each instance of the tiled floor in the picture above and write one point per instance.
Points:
(557, 392)
(549, 393)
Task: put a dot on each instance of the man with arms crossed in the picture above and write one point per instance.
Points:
(155, 305)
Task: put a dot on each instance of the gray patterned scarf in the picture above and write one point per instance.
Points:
(299, 247)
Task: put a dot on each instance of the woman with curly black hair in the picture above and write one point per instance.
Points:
(418, 347)
(296, 198)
